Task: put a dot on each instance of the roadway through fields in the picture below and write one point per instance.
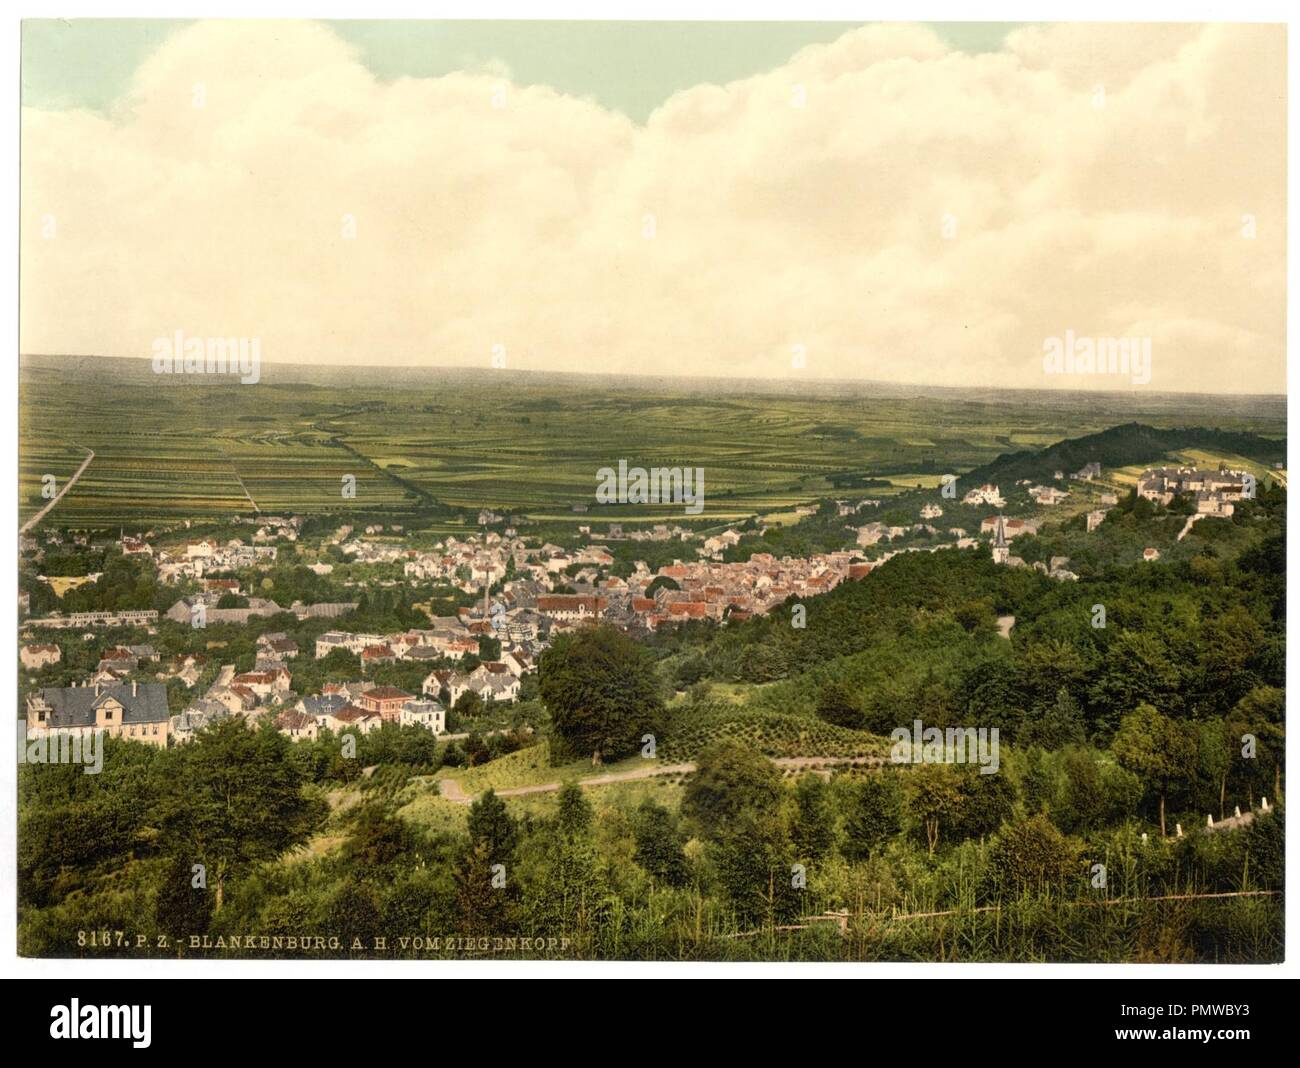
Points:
(450, 789)
(90, 455)
(234, 470)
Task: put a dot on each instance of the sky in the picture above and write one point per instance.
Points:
(936, 204)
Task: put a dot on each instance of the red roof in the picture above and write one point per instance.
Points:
(386, 693)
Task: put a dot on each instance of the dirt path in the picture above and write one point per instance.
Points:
(450, 789)
(90, 455)
(235, 473)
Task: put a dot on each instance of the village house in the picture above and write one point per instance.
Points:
(337, 639)
(195, 717)
(1047, 495)
(354, 718)
(377, 654)
(1213, 504)
(35, 657)
(985, 494)
(321, 707)
(118, 659)
(872, 533)
(571, 607)
(134, 711)
(384, 701)
(201, 549)
(237, 700)
(188, 668)
(266, 685)
(296, 725)
(427, 714)
(439, 681)
(720, 542)
(280, 648)
(519, 662)
(1012, 528)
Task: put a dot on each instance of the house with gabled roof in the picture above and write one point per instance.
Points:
(131, 710)
(35, 657)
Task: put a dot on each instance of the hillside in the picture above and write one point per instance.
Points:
(1120, 446)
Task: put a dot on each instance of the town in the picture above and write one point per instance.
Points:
(516, 592)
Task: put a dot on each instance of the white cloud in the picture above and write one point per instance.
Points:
(804, 206)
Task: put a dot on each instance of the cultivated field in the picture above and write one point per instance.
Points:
(176, 447)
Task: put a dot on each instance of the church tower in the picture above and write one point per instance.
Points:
(1001, 547)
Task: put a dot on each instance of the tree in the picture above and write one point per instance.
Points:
(659, 844)
(353, 912)
(600, 689)
(660, 582)
(730, 779)
(835, 704)
(935, 795)
(813, 832)
(492, 827)
(986, 801)
(690, 671)
(1156, 748)
(560, 871)
(483, 891)
(238, 802)
(1259, 715)
(575, 815)
(874, 817)
(1031, 855)
(377, 840)
(180, 905)
(753, 861)
(1059, 725)
(1214, 755)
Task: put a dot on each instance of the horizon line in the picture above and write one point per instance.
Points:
(689, 377)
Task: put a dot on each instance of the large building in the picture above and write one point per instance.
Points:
(132, 710)
(1162, 484)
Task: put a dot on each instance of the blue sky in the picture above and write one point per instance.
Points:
(630, 67)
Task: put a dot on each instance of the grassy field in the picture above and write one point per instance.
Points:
(173, 447)
(422, 803)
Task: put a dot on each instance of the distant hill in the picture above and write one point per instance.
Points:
(1131, 443)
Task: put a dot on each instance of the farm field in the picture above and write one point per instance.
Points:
(174, 448)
